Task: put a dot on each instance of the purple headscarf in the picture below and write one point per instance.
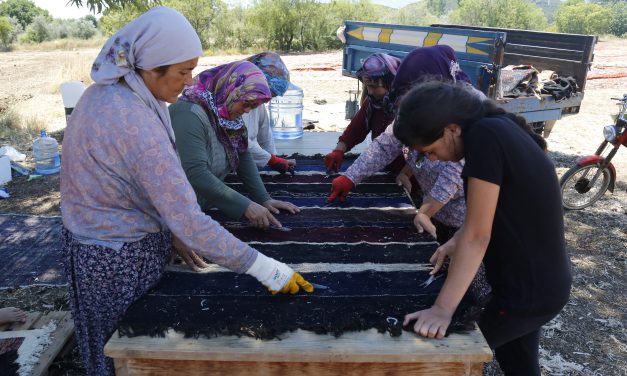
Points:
(217, 89)
(376, 66)
(436, 61)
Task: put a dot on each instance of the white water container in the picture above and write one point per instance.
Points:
(286, 114)
(5, 169)
(46, 154)
(71, 92)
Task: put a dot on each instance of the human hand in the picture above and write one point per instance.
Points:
(440, 255)
(281, 165)
(333, 160)
(260, 216)
(423, 223)
(340, 187)
(189, 256)
(431, 323)
(403, 180)
(275, 205)
(277, 276)
(12, 314)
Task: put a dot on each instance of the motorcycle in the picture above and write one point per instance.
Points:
(592, 175)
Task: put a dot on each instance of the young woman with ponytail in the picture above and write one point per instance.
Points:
(513, 222)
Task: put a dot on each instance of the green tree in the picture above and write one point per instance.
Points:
(200, 13)
(437, 7)
(24, 11)
(234, 29)
(618, 22)
(101, 5)
(6, 31)
(578, 17)
(84, 29)
(279, 20)
(113, 19)
(38, 31)
(91, 18)
(513, 14)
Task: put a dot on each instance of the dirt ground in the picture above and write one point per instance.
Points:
(588, 338)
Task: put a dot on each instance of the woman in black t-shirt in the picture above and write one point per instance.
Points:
(514, 219)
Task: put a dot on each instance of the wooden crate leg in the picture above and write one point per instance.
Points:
(473, 369)
(121, 367)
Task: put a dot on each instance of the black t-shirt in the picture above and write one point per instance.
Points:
(526, 261)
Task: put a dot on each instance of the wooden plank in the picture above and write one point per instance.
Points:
(60, 336)
(303, 346)
(313, 143)
(139, 367)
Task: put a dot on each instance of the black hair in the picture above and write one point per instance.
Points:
(426, 110)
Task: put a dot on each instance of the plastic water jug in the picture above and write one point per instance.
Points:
(46, 154)
(286, 114)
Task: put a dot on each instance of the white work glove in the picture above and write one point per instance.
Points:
(277, 276)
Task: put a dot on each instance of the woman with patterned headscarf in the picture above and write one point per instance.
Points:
(377, 74)
(260, 142)
(212, 141)
(125, 200)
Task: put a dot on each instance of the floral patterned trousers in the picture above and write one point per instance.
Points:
(103, 283)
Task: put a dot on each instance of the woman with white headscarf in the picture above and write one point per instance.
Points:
(125, 200)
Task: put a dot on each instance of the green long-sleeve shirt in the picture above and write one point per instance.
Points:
(206, 164)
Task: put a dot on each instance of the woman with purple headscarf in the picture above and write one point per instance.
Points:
(212, 141)
(377, 74)
(440, 182)
(125, 200)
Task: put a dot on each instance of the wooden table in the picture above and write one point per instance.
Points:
(301, 353)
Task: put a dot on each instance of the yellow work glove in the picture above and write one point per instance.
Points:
(277, 276)
(295, 283)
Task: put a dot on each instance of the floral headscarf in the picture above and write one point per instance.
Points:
(159, 37)
(217, 90)
(275, 71)
(376, 66)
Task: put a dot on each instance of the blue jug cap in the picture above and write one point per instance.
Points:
(43, 133)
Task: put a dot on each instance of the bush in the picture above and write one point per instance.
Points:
(84, 29)
(578, 17)
(6, 30)
(38, 31)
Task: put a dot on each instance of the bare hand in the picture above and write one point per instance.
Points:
(275, 205)
(423, 223)
(260, 216)
(403, 180)
(191, 258)
(440, 254)
(430, 323)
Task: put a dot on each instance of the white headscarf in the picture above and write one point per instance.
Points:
(161, 36)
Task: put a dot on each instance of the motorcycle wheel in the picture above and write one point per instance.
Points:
(574, 185)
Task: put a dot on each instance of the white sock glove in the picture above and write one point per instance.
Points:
(272, 273)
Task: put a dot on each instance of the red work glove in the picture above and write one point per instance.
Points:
(333, 160)
(281, 165)
(340, 187)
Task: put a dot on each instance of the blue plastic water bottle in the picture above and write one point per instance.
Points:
(46, 154)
